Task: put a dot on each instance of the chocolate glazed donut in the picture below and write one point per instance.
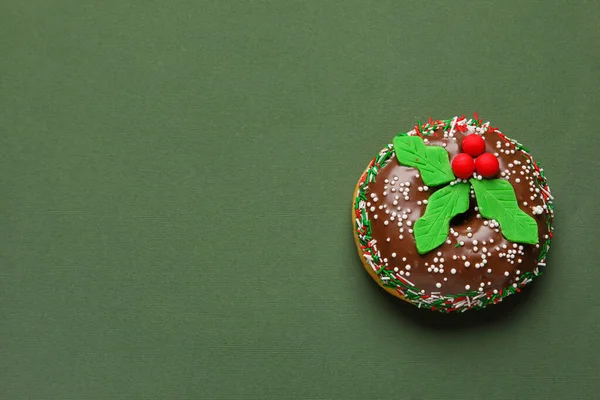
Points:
(483, 238)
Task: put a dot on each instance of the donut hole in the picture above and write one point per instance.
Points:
(463, 219)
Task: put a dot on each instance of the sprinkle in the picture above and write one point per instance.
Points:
(467, 287)
(467, 264)
(393, 254)
(407, 267)
(438, 285)
(453, 271)
(475, 242)
(506, 273)
(386, 222)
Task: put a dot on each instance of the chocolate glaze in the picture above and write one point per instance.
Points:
(495, 243)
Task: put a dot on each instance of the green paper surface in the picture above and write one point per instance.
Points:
(176, 181)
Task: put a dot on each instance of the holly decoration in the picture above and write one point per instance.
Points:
(463, 166)
(473, 145)
(487, 165)
(432, 161)
(496, 197)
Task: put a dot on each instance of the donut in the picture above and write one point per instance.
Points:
(453, 216)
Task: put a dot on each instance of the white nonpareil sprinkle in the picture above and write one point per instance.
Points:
(453, 271)
(506, 273)
(467, 264)
(375, 216)
(407, 267)
(386, 222)
(467, 287)
(438, 285)
(538, 210)
(393, 255)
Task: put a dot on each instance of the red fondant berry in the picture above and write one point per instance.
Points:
(487, 165)
(473, 145)
(463, 166)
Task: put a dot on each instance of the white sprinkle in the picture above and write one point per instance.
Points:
(475, 242)
(467, 264)
(404, 259)
(393, 255)
(386, 222)
(407, 267)
(408, 223)
(438, 285)
(388, 240)
(469, 235)
(467, 287)
(506, 273)
(453, 271)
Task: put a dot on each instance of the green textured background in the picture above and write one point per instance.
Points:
(175, 190)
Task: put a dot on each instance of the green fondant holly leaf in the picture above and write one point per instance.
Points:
(431, 230)
(496, 199)
(433, 162)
